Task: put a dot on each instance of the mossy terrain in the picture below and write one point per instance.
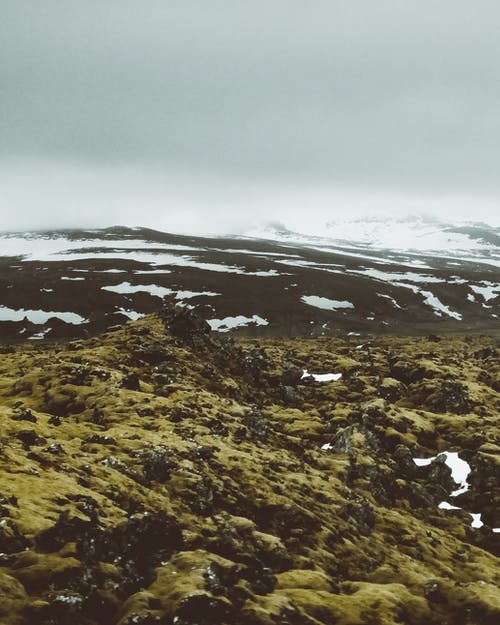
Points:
(159, 474)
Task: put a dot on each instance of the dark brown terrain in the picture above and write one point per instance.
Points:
(78, 283)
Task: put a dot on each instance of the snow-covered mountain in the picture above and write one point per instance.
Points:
(358, 277)
(415, 235)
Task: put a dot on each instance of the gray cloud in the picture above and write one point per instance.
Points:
(211, 102)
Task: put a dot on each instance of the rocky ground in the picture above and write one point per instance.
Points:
(160, 473)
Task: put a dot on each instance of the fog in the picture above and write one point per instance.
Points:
(213, 116)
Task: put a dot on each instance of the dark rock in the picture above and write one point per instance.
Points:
(24, 415)
(286, 520)
(433, 338)
(146, 618)
(158, 463)
(66, 529)
(404, 458)
(202, 452)
(178, 414)
(5, 502)
(202, 498)
(55, 448)
(123, 468)
(203, 609)
(439, 473)
(261, 579)
(487, 353)
(11, 540)
(391, 389)
(449, 396)
(98, 439)
(187, 326)
(131, 382)
(409, 371)
(220, 579)
(217, 427)
(143, 542)
(256, 423)
(98, 417)
(30, 438)
(361, 514)
(63, 608)
(292, 376)
(152, 353)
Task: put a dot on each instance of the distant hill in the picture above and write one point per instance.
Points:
(359, 277)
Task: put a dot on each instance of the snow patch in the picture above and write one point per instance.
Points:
(476, 520)
(228, 323)
(155, 290)
(391, 299)
(444, 505)
(321, 377)
(439, 308)
(489, 290)
(385, 276)
(38, 336)
(459, 469)
(324, 303)
(459, 472)
(38, 316)
(131, 314)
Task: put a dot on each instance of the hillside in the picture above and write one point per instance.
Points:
(77, 283)
(163, 473)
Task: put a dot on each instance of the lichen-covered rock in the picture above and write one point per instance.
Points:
(159, 474)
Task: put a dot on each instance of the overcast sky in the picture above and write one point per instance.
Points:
(210, 115)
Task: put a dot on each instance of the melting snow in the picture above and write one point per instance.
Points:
(459, 472)
(57, 249)
(189, 294)
(34, 246)
(324, 303)
(432, 301)
(38, 336)
(322, 377)
(476, 520)
(155, 290)
(386, 276)
(490, 290)
(131, 314)
(152, 289)
(459, 469)
(429, 298)
(444, 505)
(38, 316)
(391, 299)
(226, 324)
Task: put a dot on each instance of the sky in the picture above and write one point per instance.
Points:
(216, 115)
